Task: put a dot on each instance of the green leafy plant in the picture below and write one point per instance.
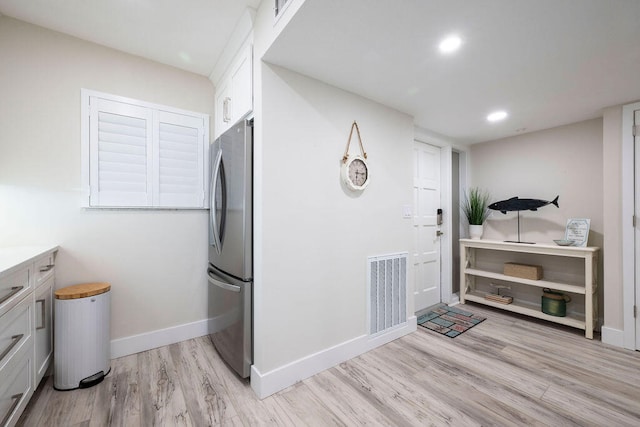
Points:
(475, 206)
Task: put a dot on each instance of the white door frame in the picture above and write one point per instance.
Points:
(628, 230)
(446, 243)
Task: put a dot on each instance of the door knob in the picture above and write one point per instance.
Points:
(439, 233)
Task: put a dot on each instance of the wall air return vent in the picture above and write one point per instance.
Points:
(387, 287)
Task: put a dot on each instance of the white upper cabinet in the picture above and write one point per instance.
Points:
(242, 84)
(234, 90)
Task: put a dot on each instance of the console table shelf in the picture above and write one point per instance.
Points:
(469, 271)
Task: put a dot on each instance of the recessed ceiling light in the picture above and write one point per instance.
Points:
(450, 44)
(496, 116)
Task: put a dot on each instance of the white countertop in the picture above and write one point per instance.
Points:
(14, 258)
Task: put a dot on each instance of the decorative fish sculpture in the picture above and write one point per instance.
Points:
(517, 204)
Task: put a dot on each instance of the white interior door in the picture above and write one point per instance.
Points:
(636, 143)
(426, 247)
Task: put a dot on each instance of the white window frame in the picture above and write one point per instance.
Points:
(154, 113)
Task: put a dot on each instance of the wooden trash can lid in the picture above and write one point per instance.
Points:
(82, 290)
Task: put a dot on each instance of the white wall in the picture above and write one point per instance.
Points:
(154, 260)
(564, 161)
(312, 236)
(316, 234)
(612, 200)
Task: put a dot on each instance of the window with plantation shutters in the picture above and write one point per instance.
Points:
(180, 167)
(141, 155)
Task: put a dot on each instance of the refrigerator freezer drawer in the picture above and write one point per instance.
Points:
(230, 308)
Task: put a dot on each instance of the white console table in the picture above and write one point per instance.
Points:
(469, 271)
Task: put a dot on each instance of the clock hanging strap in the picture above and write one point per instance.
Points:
(346, 151)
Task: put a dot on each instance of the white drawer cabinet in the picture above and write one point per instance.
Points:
(27, 280)
(16, 385)
(13, 287)
(43, 268)
(16, 329)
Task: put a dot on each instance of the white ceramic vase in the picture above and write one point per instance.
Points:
(475, 231)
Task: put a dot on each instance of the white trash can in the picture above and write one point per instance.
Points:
(82, 350)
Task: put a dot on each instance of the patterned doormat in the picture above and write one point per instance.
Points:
(449, 321)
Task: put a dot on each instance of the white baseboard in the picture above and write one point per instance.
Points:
(265, 384)
(612, 336)
(154, 339)
(455, 300)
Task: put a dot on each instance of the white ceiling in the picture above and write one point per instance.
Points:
(546, 62)
(187, 34)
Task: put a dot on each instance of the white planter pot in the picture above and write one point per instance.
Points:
(475, 231)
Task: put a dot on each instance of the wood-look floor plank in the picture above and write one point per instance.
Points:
(585, 409)
(460, 391)
(69, 407)
(36, 408)
(103, 402)
(588, 383)
(251, 410)
(305, 408)
(118, 403)
(494, 365)
(346, 401)
(543, 337)
(467, 378)
(427, 400)
(509, 370)
(205, 396)
(162, 399)
(404, 407)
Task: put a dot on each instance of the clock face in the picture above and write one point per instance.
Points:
(355, 173)
(358, 172)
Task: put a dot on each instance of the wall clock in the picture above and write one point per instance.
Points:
(355, 173)
(355, 170)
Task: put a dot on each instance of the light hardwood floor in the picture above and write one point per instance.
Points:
(509, 370)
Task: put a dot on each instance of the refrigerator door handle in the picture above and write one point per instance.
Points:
(212, 200)
(221, 284)
(213, 223)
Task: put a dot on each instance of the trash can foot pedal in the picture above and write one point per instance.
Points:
(92, 380)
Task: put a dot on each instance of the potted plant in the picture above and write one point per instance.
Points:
(475, 207)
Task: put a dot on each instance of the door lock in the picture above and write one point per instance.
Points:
(439, 233)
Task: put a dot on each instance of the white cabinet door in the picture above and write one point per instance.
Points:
(43, 328)
(223, 107)
(242, 85)
(234, 91)
(16, 386)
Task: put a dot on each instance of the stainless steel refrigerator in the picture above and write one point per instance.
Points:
(230, 271)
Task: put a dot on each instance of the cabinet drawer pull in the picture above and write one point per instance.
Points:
(16, 398)
(16, 339)
(14, 290)
(43, 312)
(46, 267)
